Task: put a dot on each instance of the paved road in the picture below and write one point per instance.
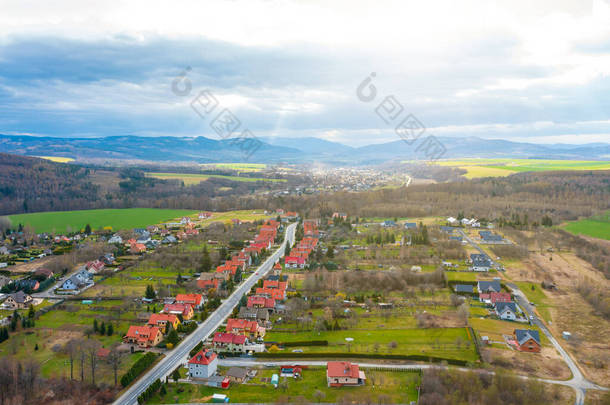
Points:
(578, 382)
(180, 354)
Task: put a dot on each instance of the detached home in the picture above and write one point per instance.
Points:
(18, 300)
(143, 336)
(340, 373)
(528, 340)
(506, 310)
(203, 364)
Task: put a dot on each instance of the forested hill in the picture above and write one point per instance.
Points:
(32, 184)
(29, 184)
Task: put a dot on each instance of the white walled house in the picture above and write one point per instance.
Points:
(203, 364)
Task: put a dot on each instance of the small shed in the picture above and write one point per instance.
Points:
(566, 335)
(275, 379)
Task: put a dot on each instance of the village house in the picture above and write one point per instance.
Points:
(258, 301)
(292, 262)
(489, 286)
(78, 280)
(229, 342)
(245, 327)
(464, 288)
(203, 364)
(95, 266)
(480, 262)
(205, 215)
(196, 300)
(340, 373)
(207, 284)
(259, 315)
(18, 300)
(490, 237)
(185, 310)
(115, 239)
(143, 336)
(528, 340)
(162, 320)
(43, 272)
(506, 310)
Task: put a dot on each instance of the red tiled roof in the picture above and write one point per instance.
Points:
(193, 299)
(220, 337)
(204, 357)
(342, 369)
(155, 318)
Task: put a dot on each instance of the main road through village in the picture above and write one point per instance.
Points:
(180, 354)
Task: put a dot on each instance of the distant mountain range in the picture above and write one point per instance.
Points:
(289, 150)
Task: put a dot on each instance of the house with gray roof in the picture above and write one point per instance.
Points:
(528, 340)
(507, 311)
(489, 286)
(480, 262)
(464, 288)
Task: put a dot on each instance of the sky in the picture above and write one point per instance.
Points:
(518, 70)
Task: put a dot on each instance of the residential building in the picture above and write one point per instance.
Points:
(489, 286)
(18, 300)
(506, 310)
(245, 327)
(185, 310)
(196, 300)
(162, 320)
(229, 342)
(528, 340)
(143, 336)
(340, 373)
(203, 364)
(480, 262)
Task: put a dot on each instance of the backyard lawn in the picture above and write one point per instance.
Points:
(390, 387)
(449, 343)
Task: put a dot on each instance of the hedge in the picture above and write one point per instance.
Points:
(304, 343)
(196, 349)
(150, 391)
(414, 357)
(138, 368)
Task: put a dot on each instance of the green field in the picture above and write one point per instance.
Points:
(449, 343)
(389, 387)
(59, 221)
(504, 167)
(190, 179)
(597, 226)
(240, 167)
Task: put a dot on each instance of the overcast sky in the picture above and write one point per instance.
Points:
(534, 71)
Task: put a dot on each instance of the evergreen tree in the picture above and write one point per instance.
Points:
(103, 328)
(88, 229)
(206, 262)
(110, 330)
(172, 337)
(95, 327)
(31, 312)
(150, 292)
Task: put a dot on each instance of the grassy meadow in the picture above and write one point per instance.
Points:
(597, 226)
(59, 221)
(190, 179)
(503, 167)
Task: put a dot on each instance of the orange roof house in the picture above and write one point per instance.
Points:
(185, 310)
(161, 321)
(143, 336)
(193, 299)
(340, 373)
(245, 327)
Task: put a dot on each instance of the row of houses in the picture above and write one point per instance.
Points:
(181, 309)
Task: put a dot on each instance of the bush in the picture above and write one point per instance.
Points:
(305, 343)
(138, 368)
(150, 391)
